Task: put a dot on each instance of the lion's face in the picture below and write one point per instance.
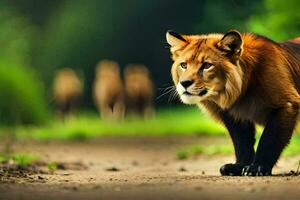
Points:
(206, 67)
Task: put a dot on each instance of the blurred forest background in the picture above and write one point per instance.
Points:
(38, 37)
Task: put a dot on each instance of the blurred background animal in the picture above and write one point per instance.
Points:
(108, 90)
(139, 91)
(67, 91)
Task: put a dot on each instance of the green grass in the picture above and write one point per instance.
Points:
(195, 150)
(227, 149)
(20, 159)
(173, 121)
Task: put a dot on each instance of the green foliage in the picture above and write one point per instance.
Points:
(24, 159)
(172, 121)
(177, 121)
(21, 96)
(221, 16)
(277, 19)
(16, 37)
(20, 159)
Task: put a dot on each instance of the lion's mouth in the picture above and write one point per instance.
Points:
(201, 93)
(187, 93)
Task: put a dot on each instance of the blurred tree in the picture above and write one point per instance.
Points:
(21, 97)
(277, 19)
(16, 35)
(221, 16)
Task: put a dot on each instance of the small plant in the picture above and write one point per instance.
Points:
(182, 154)
(23, 159)
(52, 166)
(2, 159)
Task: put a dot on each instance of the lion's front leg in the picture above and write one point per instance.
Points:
(243, 137)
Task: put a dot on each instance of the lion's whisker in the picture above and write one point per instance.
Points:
(164, 93)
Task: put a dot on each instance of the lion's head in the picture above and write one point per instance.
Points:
(206, 67)
(107, 69)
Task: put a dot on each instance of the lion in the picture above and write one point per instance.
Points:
(241, 80)
(67, 91)
(139, 91)
(108, 91)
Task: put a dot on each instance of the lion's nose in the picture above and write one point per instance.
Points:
(186, 83)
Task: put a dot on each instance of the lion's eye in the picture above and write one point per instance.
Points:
(183, 65)
(206, 65)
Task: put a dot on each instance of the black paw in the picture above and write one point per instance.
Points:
(256, 170)
(231, 170)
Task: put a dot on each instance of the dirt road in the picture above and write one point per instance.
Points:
(143, 168)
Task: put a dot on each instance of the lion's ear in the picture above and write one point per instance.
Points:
(174, 39)
(231, 42)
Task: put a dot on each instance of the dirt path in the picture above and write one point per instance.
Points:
(143, 168)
